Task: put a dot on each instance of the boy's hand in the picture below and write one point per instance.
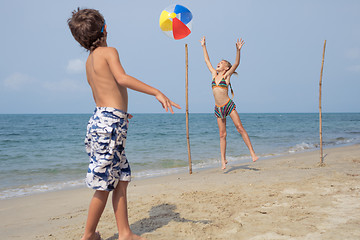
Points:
(166, 103)
(239, 44)
(202, 41)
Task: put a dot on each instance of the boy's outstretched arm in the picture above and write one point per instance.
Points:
(239, 45)
(206, 56)
(130, 82)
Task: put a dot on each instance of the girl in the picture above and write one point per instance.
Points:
(224, 106)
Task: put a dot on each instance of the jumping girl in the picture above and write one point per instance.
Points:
(224, 106)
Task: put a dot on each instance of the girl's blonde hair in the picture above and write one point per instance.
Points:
(229, 65)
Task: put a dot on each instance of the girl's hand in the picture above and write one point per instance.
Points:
(166, 103)
(239, 44)
(202, 41)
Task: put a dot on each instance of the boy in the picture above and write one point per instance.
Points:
(109, 169)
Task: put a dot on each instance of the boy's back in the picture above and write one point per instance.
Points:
(106, 90)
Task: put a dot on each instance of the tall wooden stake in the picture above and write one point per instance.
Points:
(320, 117)
(187, 107)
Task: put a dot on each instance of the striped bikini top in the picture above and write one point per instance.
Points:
(221, 84)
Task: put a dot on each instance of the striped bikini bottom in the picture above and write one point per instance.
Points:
(225, 110)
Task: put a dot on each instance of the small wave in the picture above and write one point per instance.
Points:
(342, 140)
(196, 165)
(238, 158)
(339, 141)
(30, 190)
(302, 147)
(157, 173)
(327, 143)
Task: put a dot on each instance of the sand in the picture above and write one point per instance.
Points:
(288, 197)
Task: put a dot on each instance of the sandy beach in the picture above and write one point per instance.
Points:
(288, 197)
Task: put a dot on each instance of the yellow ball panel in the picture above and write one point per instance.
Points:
(164, 21)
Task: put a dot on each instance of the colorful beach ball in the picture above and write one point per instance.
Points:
(176, 21)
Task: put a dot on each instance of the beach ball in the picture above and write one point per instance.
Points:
(176, 21)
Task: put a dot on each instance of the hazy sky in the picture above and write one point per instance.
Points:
(42, 66)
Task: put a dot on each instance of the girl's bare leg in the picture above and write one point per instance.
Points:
(96, 208)
(222, 133)
(239, 127)
(119, 200)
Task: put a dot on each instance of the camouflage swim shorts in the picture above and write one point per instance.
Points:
(105, 145)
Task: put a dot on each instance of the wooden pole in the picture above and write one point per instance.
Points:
(320, 114)
(187, 107)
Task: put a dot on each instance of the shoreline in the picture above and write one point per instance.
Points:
(143, 175)
(279, 198)
(153, 150)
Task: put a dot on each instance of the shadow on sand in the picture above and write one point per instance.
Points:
(159, 216)
(243, 167)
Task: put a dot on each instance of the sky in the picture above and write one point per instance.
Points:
(42, 66)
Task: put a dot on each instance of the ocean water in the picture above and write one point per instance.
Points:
(40, 152)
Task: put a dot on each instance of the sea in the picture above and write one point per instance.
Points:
(45, 152)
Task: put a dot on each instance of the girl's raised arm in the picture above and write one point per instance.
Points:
(239, 45)
(206, 56)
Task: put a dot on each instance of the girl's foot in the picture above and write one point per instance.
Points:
(223, 164)
(254, 158)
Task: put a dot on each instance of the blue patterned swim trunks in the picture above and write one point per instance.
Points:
(105, 144)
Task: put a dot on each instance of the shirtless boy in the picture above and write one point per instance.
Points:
(109, 169)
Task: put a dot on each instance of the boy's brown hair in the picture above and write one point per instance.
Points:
(87, 27)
